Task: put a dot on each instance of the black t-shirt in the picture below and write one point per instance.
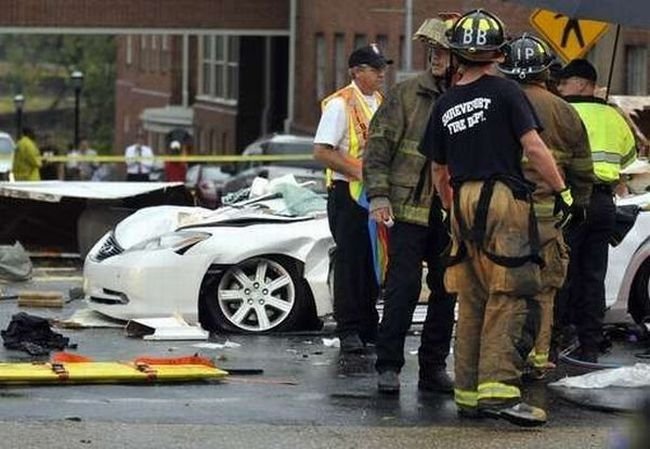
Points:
(475, 129)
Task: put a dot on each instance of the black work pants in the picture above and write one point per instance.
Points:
(409, 246)
(582, 300)
(355, 284)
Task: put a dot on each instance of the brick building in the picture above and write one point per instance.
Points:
(229, 71)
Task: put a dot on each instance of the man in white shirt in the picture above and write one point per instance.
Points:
(138, 169)
(84, 170)
(339, 143)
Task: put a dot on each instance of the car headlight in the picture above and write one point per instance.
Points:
(179, 241)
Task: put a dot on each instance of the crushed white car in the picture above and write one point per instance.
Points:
(250, 267)
(627, 283)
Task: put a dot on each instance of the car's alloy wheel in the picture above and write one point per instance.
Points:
(258, 295)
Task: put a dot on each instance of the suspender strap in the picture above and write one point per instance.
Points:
(520, 190)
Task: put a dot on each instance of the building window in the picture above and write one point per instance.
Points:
(165, 54)
(636, 58)
(224, 143)
(382, 41)
(214, 142)
(340, 66)
(321, 66)
(129, 49)
(155, 61)
(143, 53)
(402, 52)
(220, 67)
(360, 40)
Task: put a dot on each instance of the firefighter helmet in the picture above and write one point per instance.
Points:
(526, 55)
(478, 36)
(433, 31)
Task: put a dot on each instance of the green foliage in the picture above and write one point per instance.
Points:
(39, 66)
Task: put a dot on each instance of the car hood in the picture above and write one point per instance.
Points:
(154, 221)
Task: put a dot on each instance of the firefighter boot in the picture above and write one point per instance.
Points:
(436, 381)
(388, 382)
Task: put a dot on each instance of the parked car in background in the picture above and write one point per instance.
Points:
(7, 150)
(279, 145)
(207, 183)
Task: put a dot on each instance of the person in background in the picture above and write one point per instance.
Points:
(81, 170)
(175, 171)
(138, 169)
(528, 63)
(392, 172)
(51, 170)
(339, 144)
(27, 160)
(582, 301)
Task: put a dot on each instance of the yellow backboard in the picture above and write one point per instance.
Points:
(571, 38)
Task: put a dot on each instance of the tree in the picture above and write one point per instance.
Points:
(40, 66)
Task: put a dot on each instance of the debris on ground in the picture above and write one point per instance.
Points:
(88, 318)
(637, 375)
(32, 334)
(168, 328)
(33, 298)
(332, 342)
(210, 345)
(15, 264)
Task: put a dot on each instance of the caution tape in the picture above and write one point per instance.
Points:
(188, 158)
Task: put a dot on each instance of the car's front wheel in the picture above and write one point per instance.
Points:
(258, 295)
(639, 305)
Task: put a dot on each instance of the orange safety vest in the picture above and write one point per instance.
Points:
(359, 115)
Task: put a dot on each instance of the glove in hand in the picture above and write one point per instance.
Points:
(563, 208)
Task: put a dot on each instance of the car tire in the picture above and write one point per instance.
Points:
(257, 296)
(639, 304)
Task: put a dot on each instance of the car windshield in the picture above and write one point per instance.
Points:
(287, 148)
(6, 146)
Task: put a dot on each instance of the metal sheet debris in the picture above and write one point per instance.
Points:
(169, 328)
(53, 191)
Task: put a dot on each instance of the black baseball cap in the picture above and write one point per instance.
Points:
(580, 68)
(370, 55)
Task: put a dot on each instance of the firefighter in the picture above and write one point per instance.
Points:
(476, 137)
(397, 179)
(339, 144)
(612, 148)
(527, 62)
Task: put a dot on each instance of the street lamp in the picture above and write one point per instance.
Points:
(19, 101)
(77, 82)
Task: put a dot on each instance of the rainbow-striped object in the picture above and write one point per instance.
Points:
(378, 233)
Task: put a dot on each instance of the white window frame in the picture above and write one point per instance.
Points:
(226, 63)
(129, 49)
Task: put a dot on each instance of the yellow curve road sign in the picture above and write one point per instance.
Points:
(571, 38)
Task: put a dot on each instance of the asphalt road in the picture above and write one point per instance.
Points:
(307, 397)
